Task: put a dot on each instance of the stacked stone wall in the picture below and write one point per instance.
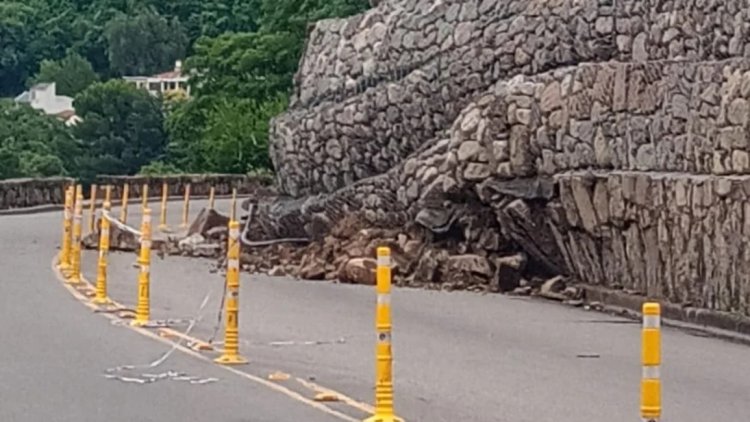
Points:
(373, 88)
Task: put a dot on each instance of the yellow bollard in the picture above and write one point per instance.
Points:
(164, 196)
(383, 354)
(143, 308)
(231, 354)
(108, 194)
(101, 297)
(75, 259)
(211, 196)
(124, 204)
(651, 360)
(144, 194)
(92, 208)
(233, 211)
(186, 207)
(67, 231)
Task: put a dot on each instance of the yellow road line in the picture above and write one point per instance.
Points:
(364, 407)
(271, 385)
(196, 344)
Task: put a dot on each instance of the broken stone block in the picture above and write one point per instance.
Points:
(314, 270)
(474, 264)
(207, 220)
(508, 272)
(359, 271)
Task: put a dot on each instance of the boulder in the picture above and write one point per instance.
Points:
(314, 270)
(469, 263)
(358, 271)
(508, 272)
(207, 220)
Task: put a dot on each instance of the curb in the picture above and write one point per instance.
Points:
(32, 210)
(724, 325)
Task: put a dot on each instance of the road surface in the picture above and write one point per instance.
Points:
(459, 356)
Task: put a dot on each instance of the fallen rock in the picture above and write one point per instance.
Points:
(508, 272)
(553, 285)
(521, 291)
(122, 240)
(573, 292)
(551, 289)
(359, 271)
(574, 302)
(191, 242)
(314, 270)
(277, 271)
(469, 263)
(207, 219)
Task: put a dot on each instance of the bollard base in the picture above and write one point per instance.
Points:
(383, 418)
(139, 323)
(73, 279)
(231, 360)
(101, 301)
(164, 228)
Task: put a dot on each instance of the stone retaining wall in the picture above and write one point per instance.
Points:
(373, 88)
(678, 237)
(25, 193)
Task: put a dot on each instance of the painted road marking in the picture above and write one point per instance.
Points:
(78, 294)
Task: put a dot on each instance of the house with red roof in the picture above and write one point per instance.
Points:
(163, 83)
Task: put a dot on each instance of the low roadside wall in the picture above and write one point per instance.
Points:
(200, 184)
(27, 193)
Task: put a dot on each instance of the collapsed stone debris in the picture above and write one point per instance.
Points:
(498, 145)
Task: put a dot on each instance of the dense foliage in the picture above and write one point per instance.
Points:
(72, 74)
(242, 55)
(122, 129)
(33, 144)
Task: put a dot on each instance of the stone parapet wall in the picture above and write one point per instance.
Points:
(200, 184)
(26, 193)
(678, 237)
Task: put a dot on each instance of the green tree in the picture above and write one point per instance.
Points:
(295, 15)
(122, 128)
(144, 44)
(159, 168)
(33, 144)
(221, 134)
(248, 65)
(72, 74)
(22, 44)
(235, 138)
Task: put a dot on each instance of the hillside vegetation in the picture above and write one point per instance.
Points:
(243, 54)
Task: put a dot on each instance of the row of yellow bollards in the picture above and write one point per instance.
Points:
(145, 201)
(70, 264)
(70, 253)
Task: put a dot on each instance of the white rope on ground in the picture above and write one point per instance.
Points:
(148, 378)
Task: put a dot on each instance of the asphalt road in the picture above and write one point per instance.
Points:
(55, 353)
(459, 357)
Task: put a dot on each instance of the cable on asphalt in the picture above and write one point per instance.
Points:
(148, 378)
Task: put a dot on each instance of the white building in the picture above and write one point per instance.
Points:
(44, 97)
(162, 83)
